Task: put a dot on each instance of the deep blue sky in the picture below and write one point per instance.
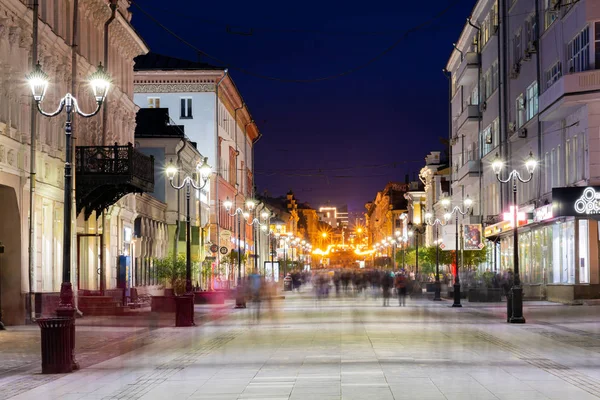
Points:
(392, 111)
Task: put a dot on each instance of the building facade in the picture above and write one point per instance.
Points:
(205, 100)
(521, 86)
(68, 64)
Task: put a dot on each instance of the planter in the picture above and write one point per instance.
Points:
(209, 297)
(485, 295)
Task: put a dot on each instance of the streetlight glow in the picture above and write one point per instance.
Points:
(171, 171)
(38, 82)
(228, 204)
(100, 81)
(204, 169)
(497, 164)
(530, 163)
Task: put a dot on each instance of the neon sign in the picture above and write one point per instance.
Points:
(588, 203)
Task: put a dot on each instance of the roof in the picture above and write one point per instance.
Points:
(154, 122)
(159, 62)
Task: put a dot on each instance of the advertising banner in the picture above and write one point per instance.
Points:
(472, 234)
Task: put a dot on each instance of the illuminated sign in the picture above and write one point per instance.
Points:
(510, 216)
(576, 201)
(588, 203)
(543, 213)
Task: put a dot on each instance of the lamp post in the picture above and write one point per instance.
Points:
(436, 223)
(456, 211)
(189, 182)
(415, 230)
(100, 82)
(240, 301)
(404, 240)
(515, 315)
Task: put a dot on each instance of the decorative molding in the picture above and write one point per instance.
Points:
(173, 87)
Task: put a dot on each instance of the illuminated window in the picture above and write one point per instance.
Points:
(153, 102)
(553, 74)
(578, 52)
(532, 100)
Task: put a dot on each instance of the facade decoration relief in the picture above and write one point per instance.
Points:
(174, 87)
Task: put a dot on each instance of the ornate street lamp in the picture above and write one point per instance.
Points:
(189, 182)
(100, 83)
(514, 304)
(436, 223)
(456, 210)
(251, 204)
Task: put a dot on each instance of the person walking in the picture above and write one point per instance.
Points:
(386, 284)
(400, 284)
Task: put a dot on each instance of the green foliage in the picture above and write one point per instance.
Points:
(473, 258)
(172, 272)
(232, 257)
(427, 258)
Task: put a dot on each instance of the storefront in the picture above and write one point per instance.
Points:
(558, 246)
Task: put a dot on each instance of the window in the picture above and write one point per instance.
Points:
(186, 108)
(547, 172)
(232, 166)
(584, 256)
(474, 96)
(153, 102)
(490, 136)
(490, 24)
(520, 108)
(531, 33)
(532, 100)
(578, 52)
(494, 77)
(597, 43)
(554, 169)
(552, 8)
(553, 74)
(517, 47)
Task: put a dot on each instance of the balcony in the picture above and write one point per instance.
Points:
(468, 69)
(568, 94)
(467, 121)
(469, 169)
(107, 173)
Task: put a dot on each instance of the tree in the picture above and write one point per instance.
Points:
(172, 270)
(473, 258)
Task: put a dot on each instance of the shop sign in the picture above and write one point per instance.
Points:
(214, 248)
(543, 213)
(472, 237)
(510, 216)
(576, 201)
(224, 250)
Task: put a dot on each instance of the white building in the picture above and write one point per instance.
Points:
(203, 99)
(529, 85)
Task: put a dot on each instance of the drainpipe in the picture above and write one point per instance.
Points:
(74, 46)
(113, 11)
(218, 165)
(179, 167)
(448, 75)
(504, 103)
(32, 167)
(462, 55)
(479, 118)
(538, 61)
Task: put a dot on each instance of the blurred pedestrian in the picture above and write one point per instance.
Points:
(400, 284)
(386, 284)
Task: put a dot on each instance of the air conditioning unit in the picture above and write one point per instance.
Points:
(523, 132)
(454, 140)
(516, 68)
(512, 127)
(531, 47)
(483, 106)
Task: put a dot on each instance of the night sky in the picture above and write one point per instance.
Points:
(338, 140)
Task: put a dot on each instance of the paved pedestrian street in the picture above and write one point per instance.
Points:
(348, 348)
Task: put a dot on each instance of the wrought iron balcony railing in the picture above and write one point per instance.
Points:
(104, 174)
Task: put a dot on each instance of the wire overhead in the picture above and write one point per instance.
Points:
(311, 80)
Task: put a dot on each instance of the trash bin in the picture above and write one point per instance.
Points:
(287, 284)
(184, 310)
(57, 355)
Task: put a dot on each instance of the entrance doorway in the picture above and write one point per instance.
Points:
(12, 300)
(89, 261)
